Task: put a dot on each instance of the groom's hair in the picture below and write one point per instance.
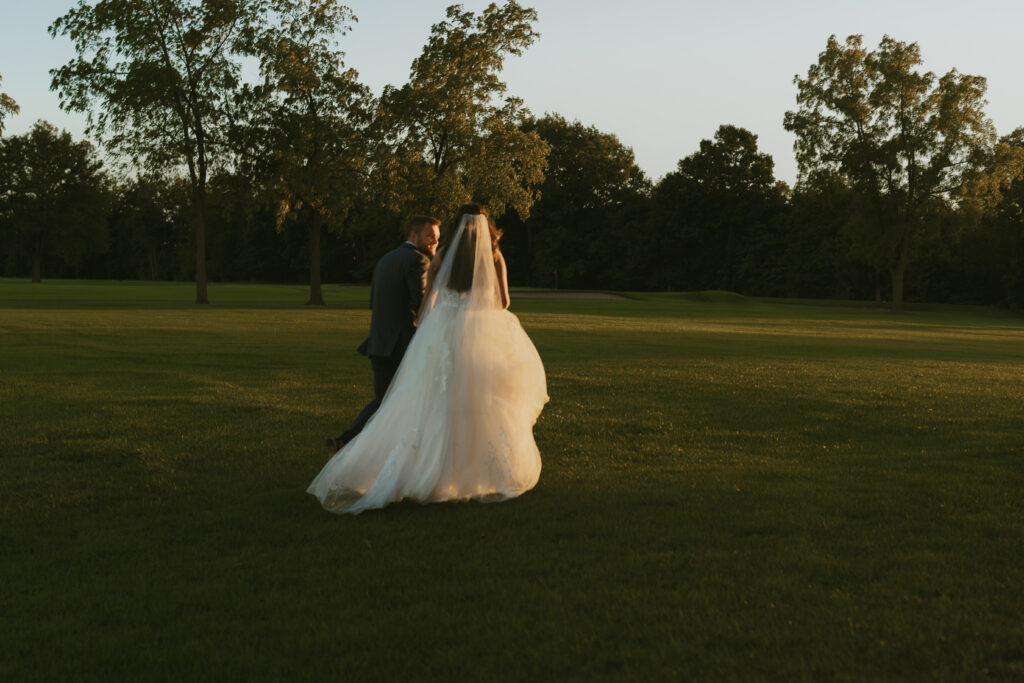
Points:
(417, 223)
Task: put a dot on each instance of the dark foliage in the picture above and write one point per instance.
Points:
(721, 221)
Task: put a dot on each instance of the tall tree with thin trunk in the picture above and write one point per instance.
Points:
(451, 133)
(310, 116)
(912, 145)
(158, 79)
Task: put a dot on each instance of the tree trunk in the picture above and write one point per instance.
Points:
(37, 258)
(532, 268)
(897, 280)
(316, 297)
(897, 288)
(199, 202)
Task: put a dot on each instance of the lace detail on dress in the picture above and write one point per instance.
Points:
(384, 489)
(449, 297)
(446, 366)
(505, 482)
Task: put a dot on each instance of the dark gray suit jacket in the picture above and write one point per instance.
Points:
(395, 295)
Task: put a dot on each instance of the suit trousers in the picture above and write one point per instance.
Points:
(384, 369)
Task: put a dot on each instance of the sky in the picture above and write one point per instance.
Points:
(659, 74)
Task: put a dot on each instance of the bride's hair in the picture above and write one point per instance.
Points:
(461, 278)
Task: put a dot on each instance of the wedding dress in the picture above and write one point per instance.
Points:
(457, 421)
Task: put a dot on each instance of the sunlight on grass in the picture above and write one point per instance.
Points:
(729, 486)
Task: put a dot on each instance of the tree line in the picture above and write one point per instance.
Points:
(905, 190)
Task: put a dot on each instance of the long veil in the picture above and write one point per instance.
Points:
(467, 269)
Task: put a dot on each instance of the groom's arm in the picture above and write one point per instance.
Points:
(416, 280)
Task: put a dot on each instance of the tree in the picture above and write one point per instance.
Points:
(313, 114)
(720, 212)
(816, 259)
(53, 197)
(145, 225)
(998, 245)
(7, 107)
(911, 145)
(446, 139)
(590, 186)
(158, 79)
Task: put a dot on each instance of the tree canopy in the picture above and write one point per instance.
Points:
(312, 115)
(911, 144)
(301, 165)
(158, 80)
(8, 107)
(718, 210)
(54, 198)
(579, 225)
(452, 136)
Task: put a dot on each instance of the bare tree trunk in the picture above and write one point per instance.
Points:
(529, 254)
(897, 288)
(199, 202)
(37, 258)
(316, 297)
(897, 280)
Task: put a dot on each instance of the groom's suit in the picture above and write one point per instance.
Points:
(396, 291)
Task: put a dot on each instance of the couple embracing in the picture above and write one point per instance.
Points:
(455, 403)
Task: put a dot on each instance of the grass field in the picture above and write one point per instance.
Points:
(732, 490)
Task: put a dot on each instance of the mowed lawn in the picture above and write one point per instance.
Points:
(732, 489)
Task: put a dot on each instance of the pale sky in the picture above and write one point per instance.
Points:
(660, 75)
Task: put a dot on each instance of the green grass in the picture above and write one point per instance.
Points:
(733, 489)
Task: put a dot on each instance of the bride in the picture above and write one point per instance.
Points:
(457, 421)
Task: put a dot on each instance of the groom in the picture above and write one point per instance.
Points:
(396, 291)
